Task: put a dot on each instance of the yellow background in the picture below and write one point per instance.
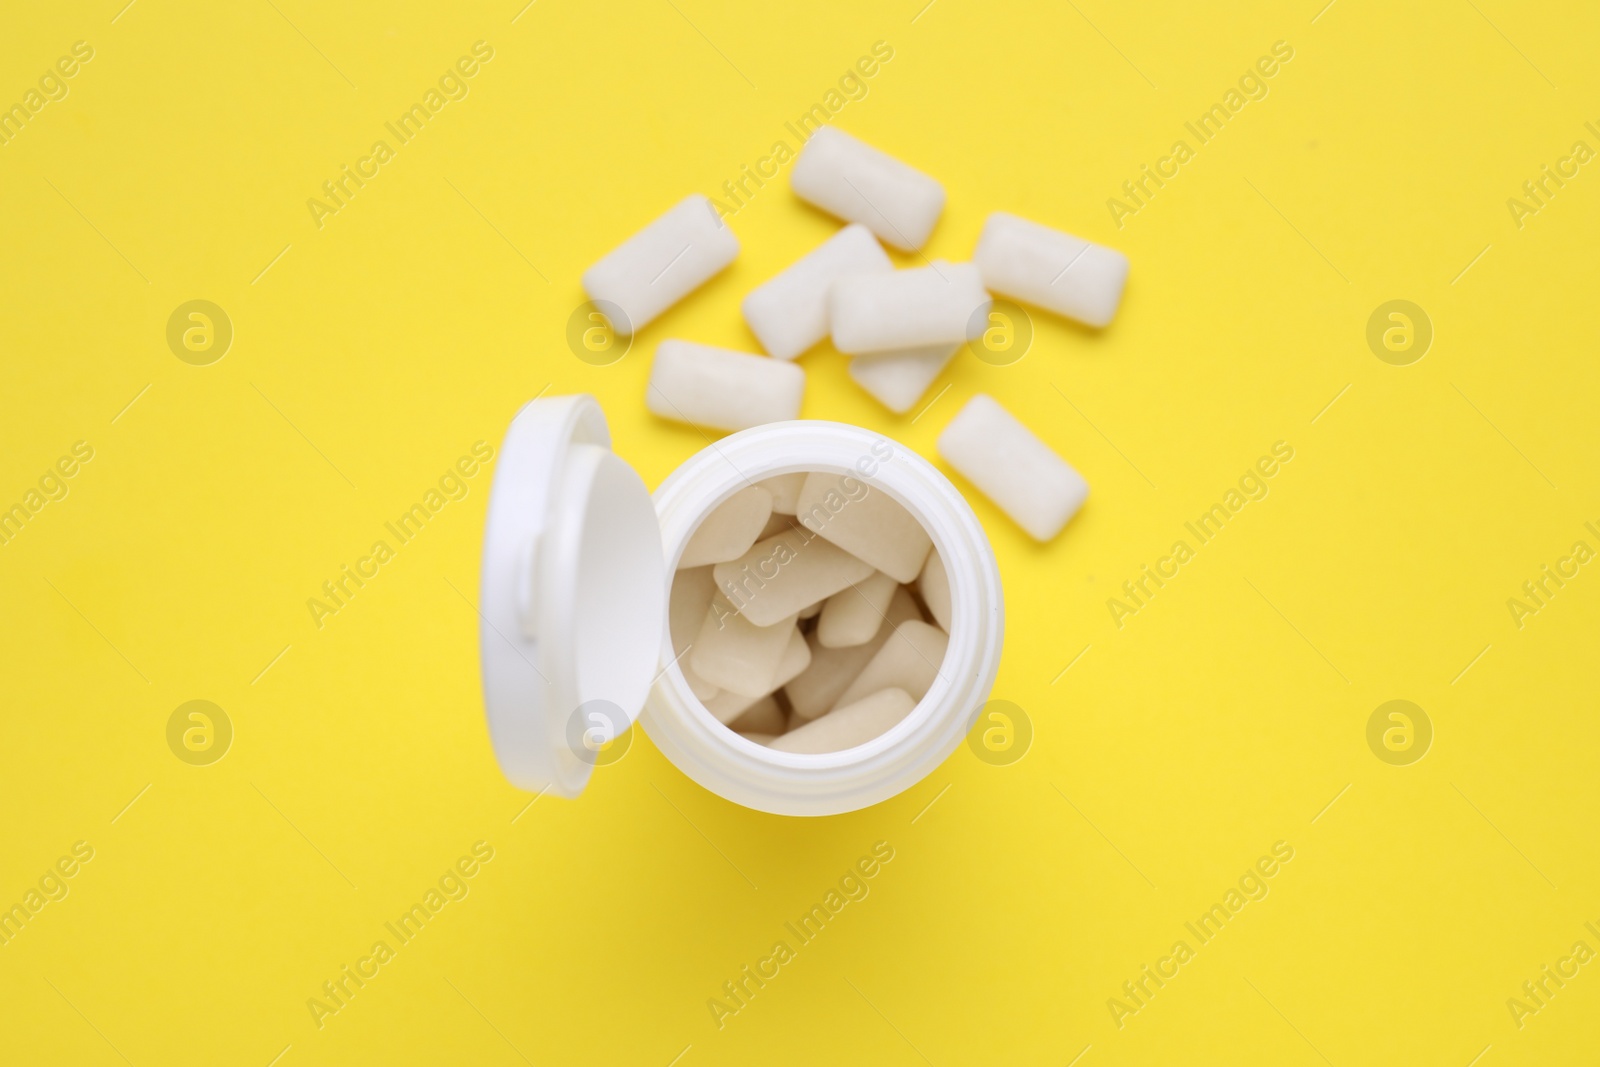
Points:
(1222, 718)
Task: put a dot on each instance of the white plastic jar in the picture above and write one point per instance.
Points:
(578, 561)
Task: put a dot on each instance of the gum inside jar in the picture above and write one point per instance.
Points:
(809, 612)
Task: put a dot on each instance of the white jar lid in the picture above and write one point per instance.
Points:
(572, 598)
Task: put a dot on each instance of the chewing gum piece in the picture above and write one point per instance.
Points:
(789, 313)
(785, 573)
(1012, 467)
(763, 717)
(785, 490)
(897, 380)
(736, 654)
(729, 531)
(717, 387)
(728, 706)
(796, 658)
(850, 725)
(852, 180)
(908, 660)
(832, 670)
(942, 304)
(865, 522)
(852, 616)
(692, 590)
(1050, 269)
(934, 585)
(662, 263)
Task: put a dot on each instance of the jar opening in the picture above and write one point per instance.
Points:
(809, 611)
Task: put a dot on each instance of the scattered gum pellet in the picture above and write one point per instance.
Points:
(1010, 465)
(813, 611)
(662, 263)
(692, 590)
(942, 304)
(897, 380)
(760, 739)
(848, 725)
(934, 585)
(721, 388)
(818, 687)
(785, 573)
(785, 490)
(865, 522)
(736, 654)
(852, 616)
(852, 180)
(908, 660)
(1050, 269)
(731, 528)
(789, 313)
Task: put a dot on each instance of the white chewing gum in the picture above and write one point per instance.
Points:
(851, 180)
(832, 670)
(786, 573)
(796, 658)
(850, 725)
(734, 653)
(763, 717)
(727, 706)
(1050, 269)
(1010, 465)
(865, 522)
(687, 605)
(776, 525)
(942, 304)
(897, 380)
(813, 611)
(934, 585)
(662, 263)
(717, 387)
(789, 313)
(908, 660)
(852, 616)
(760, 739)
(731, 528)
(785, 490)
